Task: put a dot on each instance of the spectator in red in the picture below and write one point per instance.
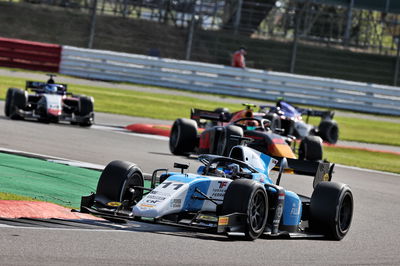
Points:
(238, 59)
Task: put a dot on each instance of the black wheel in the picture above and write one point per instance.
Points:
(7, 109)
(15, 99)
(115, 183)
(225, 143)
(86, 110)
(328, 130)
(249, 197)
(183, 136)
(331, 209)
(275, 121)
(311, 148)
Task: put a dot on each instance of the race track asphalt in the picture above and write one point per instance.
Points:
(374, 237)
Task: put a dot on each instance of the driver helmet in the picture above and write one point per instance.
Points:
(232, 169)
(252, 123)
(50, 88)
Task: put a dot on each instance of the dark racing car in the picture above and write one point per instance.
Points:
(212, 131)
(49, 102)
(290, 118)
(233, 195)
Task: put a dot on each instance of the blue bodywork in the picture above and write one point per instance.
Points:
(289, 110)
(292, 205)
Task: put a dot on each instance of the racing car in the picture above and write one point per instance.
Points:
(49, 102)
(290, 118)
(215, 137)
(233, 195)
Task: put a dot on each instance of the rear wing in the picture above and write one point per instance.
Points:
(37, 85)
(197, 114)
(321, 171)
(325, 115)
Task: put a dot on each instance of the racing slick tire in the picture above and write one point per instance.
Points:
(115, 183)
(274, 119)
(248, 197)
(331, 209)
(328, 130)
(225, 143)
(86, 110)
(311, 148)
(15, 99)
(183, 136)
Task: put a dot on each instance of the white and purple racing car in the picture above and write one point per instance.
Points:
(49, 102)
(232, 195)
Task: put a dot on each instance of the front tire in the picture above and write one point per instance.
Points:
(115, 183)
(225, 143)
(311, 148)
(249, 197)
(15, 99)
(275, 121)
(183, 136)
(331, 209)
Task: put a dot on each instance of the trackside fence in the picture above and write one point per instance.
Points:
(29, 55)
(211, 78)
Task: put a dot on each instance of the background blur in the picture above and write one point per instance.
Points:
(347, 39)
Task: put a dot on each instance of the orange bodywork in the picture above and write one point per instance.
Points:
(281, 150)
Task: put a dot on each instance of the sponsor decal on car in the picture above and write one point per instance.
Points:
(146, 206)
(176, 203)
(223, 220)
(114, 204)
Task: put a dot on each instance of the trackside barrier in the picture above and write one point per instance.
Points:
(253, 83)
(29, 55)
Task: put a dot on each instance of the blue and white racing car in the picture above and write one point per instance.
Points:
(233, 195)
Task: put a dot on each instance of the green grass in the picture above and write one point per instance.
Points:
(365, 130)
(364, 159)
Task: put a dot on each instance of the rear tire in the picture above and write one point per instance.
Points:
(331, 209)
(183, 136)
(225, 143)
(311, 148)
(275, 121)
(249, 197)
(15, 99)
(329, 131)
(116, 180)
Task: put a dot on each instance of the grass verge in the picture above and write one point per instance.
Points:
(380, 161)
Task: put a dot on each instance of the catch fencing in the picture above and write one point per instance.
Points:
(219, 79)
(29, 55)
